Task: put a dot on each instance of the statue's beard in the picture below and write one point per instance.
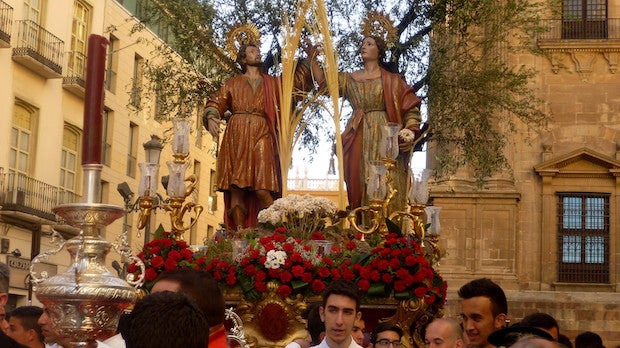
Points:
(258, 64)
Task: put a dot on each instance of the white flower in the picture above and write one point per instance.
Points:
(275, 259)
(407, 135)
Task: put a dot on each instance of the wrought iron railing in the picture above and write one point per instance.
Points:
(6, 21)
(34, 41)
(578, 29)
(76, 69)
(19, 192)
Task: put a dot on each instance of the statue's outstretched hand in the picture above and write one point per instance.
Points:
(212, 123)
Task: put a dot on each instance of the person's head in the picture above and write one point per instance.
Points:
(386, 334)
(359, 328)
(49, 331)
(373, 48)
(23, 326)
(542, 321)
(443, 333)
(166, 319)
(484, 310)
(249, 55)
(565, 341)
(534, 342)
(588, 339)
(314, 324)
(200, 286)
(340, 309)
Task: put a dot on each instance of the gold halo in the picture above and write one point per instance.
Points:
(380, 25)
(241, 34)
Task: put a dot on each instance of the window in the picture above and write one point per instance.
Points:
(132, 154)
(136, 86)
(106, 137)
(583, 238)
(22, 137)
(69, 158)
(584, 19)
(112, 64)
(79, 32)
(212, 192)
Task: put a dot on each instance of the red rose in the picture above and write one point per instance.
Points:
(201, 261)
(250, 270)
(260, 286)
(231, 279)
(383, 265)
(395, 253)
(387, 278)
(317, 236)
(288, 247)
(296, 257)
(317, 286)
(279, 238)
(260, 276)
(157, 261)
(132, 268)
(430, 299)
(348, 274)
(420, 291)
(328, 261)
(402, 273)
(150, 274)
(375, 276)
(410, 261)
(336, 274)
(182, 244)
(363, 284)
(175, 255)
(286, 276)
(170, 264)
(165, 243)
(187, 254)
(284, 290)
(306, 277)
(281, 230)
(350, 245)
(399, 286)
(154, 250)
(273, 273)
(394, 263)
(323, 272)
(298, 271)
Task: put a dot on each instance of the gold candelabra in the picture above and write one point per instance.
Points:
(372, 218)
(178, 186)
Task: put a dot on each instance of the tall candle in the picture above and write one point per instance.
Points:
(93, 100)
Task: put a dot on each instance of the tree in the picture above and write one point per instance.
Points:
(454, 52)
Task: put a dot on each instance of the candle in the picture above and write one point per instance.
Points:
(93, 100)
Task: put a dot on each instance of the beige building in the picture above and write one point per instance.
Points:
(549, 232)
(43, 47)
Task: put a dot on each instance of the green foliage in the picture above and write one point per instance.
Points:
(456, 53)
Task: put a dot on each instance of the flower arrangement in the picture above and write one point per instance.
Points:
(390, 266)
(302, 215)
(165, 253)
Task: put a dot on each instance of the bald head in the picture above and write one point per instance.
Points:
(443, 333)
(534, 342)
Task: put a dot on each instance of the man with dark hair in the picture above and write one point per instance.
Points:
(484, 310)
(163, 320)
(248, 170)
(542, 321)
(202, 288)
(49, 332)
(443, 333)
(23, 326)
(386, 334)
(588, 339)
(339, 310)
(5, 341)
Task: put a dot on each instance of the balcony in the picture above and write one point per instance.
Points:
(75, 79)
(6, 22)
(27, 199)
(38, 50)
(580, 33)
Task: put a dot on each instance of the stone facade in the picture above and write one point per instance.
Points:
(509, 230)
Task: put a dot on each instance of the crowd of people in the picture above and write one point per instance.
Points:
(186, 309)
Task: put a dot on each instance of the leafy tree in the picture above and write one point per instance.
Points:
(456, 53)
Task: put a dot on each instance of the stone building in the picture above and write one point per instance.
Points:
(549, 232)
(43, 47)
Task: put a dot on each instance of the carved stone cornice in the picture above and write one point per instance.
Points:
(583, 54)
